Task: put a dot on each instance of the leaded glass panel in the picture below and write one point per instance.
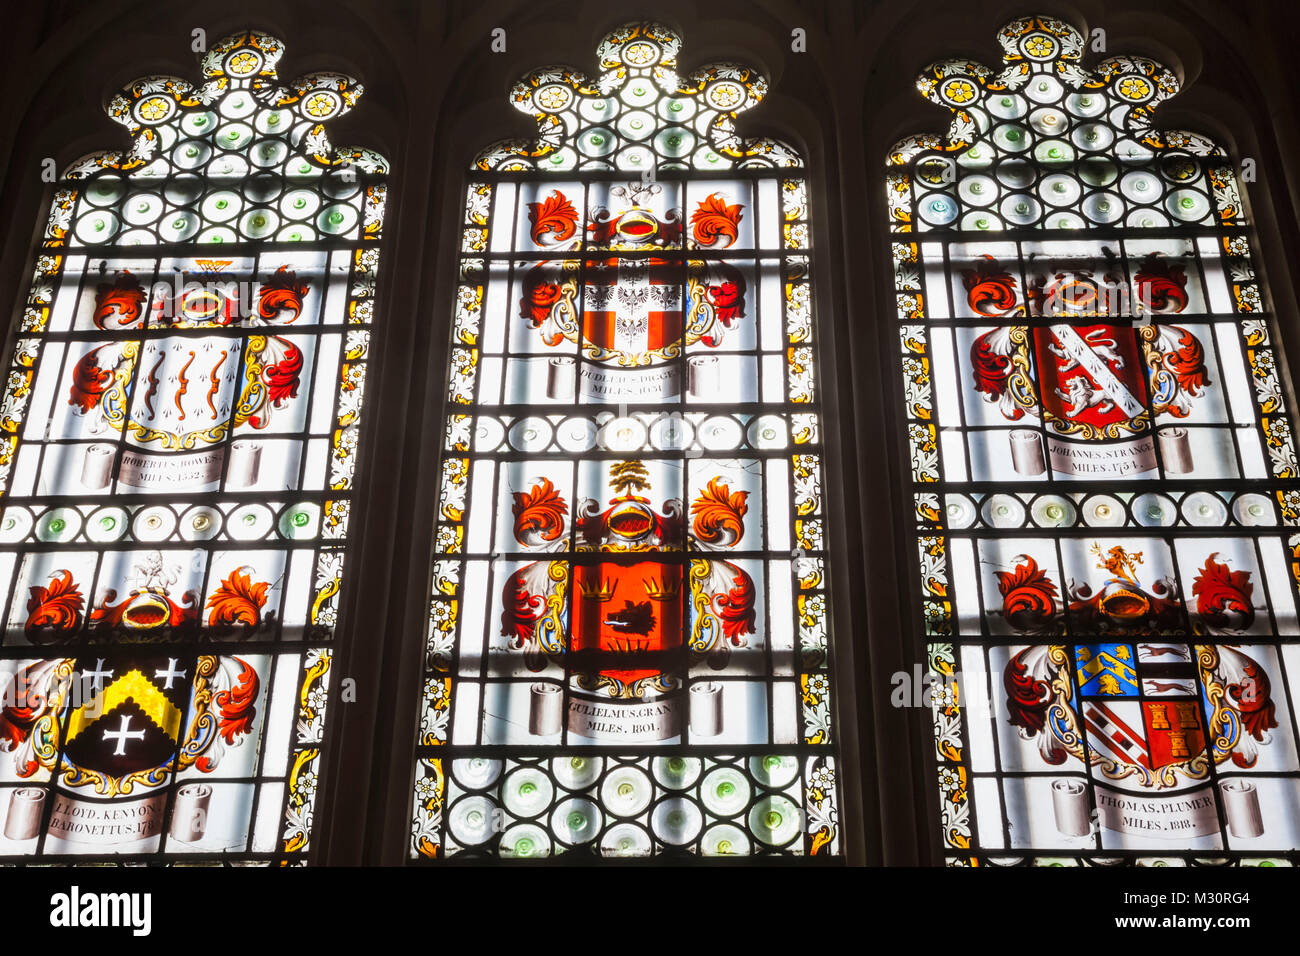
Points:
(1102, 467)
(177, 452)
(628, 643)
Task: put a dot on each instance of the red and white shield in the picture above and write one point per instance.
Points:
(1163, 733)
(1090, 375)
(632, 307)
(1114, 734)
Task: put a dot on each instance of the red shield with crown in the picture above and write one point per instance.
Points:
(627, 617)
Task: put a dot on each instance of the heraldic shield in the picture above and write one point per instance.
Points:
(1148, 711)
(632, 313)
(1091, 363)
(1090, 377)
(128, 726)
(115, 731)
(628, 613)
(631, 612)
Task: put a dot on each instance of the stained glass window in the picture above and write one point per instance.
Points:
(628, 644)
(177, 446)
(1103, 470)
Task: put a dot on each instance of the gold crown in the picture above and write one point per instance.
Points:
(590, 589)
(657, 590)
(212, 265)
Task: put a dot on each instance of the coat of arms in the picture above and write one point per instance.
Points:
(630, 612)
(637, 309)
(113, 730)
(1085, 368)
(1138, 705)
(184, 392)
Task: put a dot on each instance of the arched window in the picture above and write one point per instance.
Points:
(628, 651)
(1102, 466)
(178, 436)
